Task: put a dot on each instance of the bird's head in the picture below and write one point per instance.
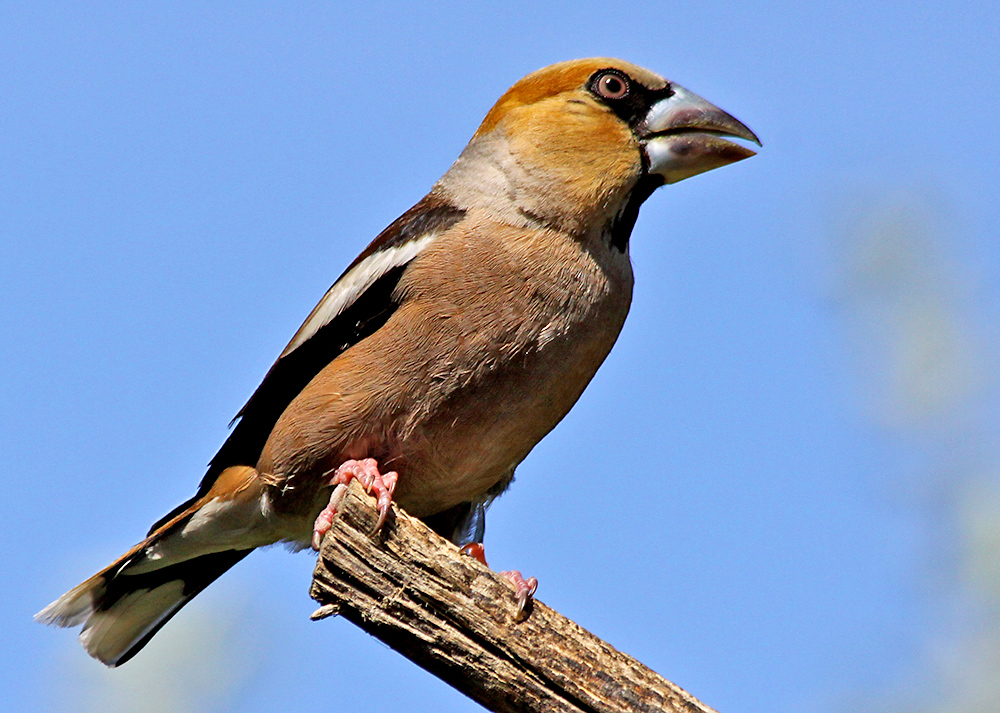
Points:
(577, 141)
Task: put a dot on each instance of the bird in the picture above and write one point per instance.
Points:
(444, 352)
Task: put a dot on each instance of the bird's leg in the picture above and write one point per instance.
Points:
(366, 471)
(474, 529)
(476, 551)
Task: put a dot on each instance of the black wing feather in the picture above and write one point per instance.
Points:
(293, 371)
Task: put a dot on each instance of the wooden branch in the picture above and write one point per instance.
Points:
(454, 617)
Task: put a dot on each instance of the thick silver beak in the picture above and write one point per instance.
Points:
(683, 135)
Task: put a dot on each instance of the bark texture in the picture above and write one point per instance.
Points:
(448, 613)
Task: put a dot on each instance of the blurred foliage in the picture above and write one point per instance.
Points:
(927, 369)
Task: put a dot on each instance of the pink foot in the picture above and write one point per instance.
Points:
(366, 471)
(524, 589)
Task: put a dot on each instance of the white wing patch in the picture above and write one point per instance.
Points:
(348, 288)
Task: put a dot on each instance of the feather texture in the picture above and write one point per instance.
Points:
(453, 343)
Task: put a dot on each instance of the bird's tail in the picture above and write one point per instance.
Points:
(125, 604)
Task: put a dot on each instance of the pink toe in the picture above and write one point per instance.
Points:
(324, 521)
(524, 590)
(366, 471)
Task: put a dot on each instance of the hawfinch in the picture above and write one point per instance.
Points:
(446, 350)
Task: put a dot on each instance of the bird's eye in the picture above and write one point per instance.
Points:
(612, 86)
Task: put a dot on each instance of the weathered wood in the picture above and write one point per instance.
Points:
(454, 617)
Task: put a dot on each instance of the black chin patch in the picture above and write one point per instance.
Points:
(621, 227)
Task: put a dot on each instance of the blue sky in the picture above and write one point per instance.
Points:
(755, 497)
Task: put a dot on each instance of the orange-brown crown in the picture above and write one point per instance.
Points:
(557, 79)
